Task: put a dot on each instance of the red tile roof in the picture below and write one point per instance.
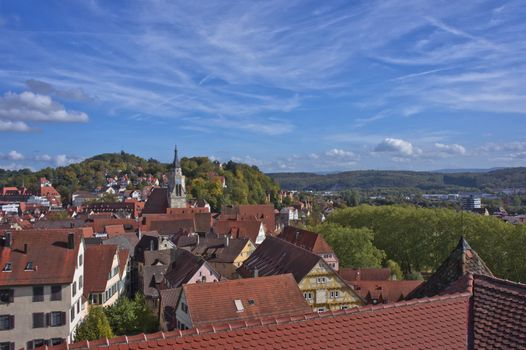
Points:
(384, 291)
(262, 212)
(306, 239)
(124, 255)
(53, 262)
(365, 274)
(238, 228)
(213, 303)
(499, 314)
(99, 224)
(97, 266)
(429, 323)
(114, 229)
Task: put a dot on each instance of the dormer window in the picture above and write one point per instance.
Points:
(29, 266)
(7, 267)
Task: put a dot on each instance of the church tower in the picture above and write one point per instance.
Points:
(176, 187)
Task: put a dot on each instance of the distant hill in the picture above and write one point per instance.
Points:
(424, 181)
(244, 183)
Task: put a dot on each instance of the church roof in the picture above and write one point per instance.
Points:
(462, 260)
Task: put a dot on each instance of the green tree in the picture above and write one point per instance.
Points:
(94, 326)
(354, 247)
(131, 316)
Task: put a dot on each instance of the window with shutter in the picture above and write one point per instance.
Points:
(5, 322)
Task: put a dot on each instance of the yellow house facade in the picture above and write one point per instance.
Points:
(324, 289)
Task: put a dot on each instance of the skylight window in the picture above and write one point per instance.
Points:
(251, 302)
(7, 267)
(29, 266)
(239, 305)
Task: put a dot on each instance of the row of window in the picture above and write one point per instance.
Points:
(101, 298)
(40, 320)
(333, 294)
(50, 319)
(74, 286)
(322, 309)
(35, 343)
(8, 295)
(72, 310)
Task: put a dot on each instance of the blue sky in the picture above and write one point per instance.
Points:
(285, 85)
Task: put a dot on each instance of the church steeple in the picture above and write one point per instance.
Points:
(176, 187)
(176, 163)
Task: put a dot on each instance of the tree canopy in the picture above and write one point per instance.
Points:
(244, 184)
(94, 326)
(131, 316)
(420, 239)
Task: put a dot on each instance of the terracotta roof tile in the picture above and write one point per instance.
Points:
(97, 265)
(384, 291)
(429, 323)
(213, 303)
(306, 239)
(499, 314)
(365, 274)
(47, 250)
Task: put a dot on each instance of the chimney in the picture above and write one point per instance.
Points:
(25, 248)
(8, 239)
(71, 240)
(256, 272)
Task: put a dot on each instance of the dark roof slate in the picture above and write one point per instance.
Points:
(462, 260)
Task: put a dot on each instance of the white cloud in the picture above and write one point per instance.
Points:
(400, 146)
(339, 153)
(13, 155)
(62, 160)
(7, 125)
(44, 158)
(16, 109)
(455, 149)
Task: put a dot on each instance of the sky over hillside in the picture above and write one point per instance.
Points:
(285, 85)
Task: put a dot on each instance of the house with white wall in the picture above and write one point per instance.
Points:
(41, 287)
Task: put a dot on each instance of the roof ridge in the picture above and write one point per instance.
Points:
(500, 280)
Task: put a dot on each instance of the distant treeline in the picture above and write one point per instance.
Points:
(422, 181)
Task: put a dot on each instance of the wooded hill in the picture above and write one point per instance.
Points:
(423, 181)
(245, 183)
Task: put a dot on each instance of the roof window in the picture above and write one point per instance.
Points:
(251, 302)
(29, 266)
(239, 305)
(7, 267)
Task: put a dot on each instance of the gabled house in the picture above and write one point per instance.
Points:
(322, 287)
(225, 255)
(41, 287)
(247, 228)
(171, 268)
(247, 299)
(106, 272)
(311, 241)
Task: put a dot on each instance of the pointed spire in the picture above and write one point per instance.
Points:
(176, 159)
(463, 245)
